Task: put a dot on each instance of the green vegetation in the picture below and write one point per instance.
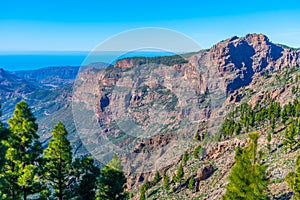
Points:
(143, 190)
(58, 159)
(112, 181)
(185, 158)
(293, 180)
(3, 148)
(197, 151)
(87, 173)
(156, 178)
(26, 172)
(179, 175)
(290, 134)
(23, 156)
(247, 179)
(164, 60)
(191, 185)
(166, 181)
(245, 118)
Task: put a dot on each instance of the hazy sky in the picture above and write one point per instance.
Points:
(79, 25)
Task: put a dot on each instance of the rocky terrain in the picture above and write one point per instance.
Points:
(149, 109)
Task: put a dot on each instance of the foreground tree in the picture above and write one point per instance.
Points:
(23, 155)
(112, 181)
(58, 157)
(247, 179)
(3, 148)
(87, 174)
(293, 180)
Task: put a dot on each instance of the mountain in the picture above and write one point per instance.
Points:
(145, 108)
(10, 85)
(50, 77)
(149, 109)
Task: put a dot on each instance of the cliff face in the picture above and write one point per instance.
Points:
(239, 59)
(139, 99)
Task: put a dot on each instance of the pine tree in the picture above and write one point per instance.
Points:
(197, 136)
(144, 190)
(58, 157)
(197, 151)
(293, 179)
(191, 183)
(156, 178)
(185, 158)
(284, 115)
(112, 181)
(180, 173)
(166, 181)
(247, 179)
(23, 155)
(3, 148)
(3, 137)
(86, 174)
(290, 134)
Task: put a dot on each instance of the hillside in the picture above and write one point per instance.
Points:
(146, 110)
(150, 109)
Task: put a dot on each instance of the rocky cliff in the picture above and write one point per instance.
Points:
(145, 107)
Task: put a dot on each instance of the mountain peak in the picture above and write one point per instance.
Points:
(256, 37)
(249, 55)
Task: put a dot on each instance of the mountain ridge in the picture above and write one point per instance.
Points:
(248, 69)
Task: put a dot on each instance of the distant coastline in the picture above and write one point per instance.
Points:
(17, 61)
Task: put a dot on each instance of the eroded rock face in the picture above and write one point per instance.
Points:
(227, 66)
(205, 172)
(239, 59)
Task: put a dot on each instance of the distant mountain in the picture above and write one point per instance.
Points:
(50, 77)
(12, 86)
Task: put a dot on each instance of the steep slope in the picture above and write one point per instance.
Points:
(152, 92)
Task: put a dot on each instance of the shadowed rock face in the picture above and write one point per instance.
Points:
(239, 59)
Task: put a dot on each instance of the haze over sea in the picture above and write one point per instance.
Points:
(35, 60)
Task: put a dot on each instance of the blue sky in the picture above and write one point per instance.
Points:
(59, 25)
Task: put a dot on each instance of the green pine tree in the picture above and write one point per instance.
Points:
(166, 181)
(191, 183)
(112, 181)
(3, 148)
(156, 178)
(293, 180)
(247, 179)
(197, 151)
(23, 155)
(144, 190)
(180, 173)
(185, 158)
(58, 157)
(86, 174)
(197, 136)
(290, 134)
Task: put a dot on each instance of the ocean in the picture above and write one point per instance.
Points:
(32, 61)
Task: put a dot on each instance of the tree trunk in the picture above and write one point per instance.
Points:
(60, 195)
(24, 194)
